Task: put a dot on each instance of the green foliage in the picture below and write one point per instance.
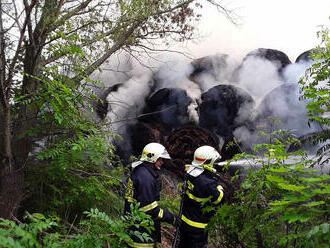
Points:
(171, 203)
(98, 230)
(75, 172)
(137, 218)
(28, 235)
(316, 89)
(74, 167)
(74, 180)
(284, 203)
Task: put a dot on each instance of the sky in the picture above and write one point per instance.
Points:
(286, 25)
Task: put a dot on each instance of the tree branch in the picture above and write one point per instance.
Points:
(19, 46)
(139, 116)
(70, 14)
(82, 173)
(28, 18)
(118, 44)
(228, 13)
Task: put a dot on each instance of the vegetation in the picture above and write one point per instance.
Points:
(55, 159)
(99, 230)
(282, 203)
(315, 88)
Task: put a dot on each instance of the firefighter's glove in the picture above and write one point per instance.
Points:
(177, 222)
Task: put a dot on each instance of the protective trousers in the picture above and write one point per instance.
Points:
(192, 240)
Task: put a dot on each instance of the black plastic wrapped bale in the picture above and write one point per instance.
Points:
(223, 109)
(306, 56)
(209, 64)
(165, 110)
(275, 56)
(168, 106)
(278, 58)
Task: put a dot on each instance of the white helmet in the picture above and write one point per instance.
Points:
(153, 151)
(205, 155)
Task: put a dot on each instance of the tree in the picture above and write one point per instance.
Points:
(49, 48)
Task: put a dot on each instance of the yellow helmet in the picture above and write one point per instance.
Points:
(152, 151)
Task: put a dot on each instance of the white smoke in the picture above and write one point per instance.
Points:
(219, 70)
(174, 74)
(133, 81)
(126, 103)
(277, 96)
(114, 71)
(293, 72)
(245, 137)
(258, 77)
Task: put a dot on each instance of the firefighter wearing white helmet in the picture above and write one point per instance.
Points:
(203, 189)
(204, 158)
(153, 151)
(144, 187)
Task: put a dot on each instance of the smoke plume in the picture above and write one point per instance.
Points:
(263, 85)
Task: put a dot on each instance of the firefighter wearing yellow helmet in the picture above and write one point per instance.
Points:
(144, 187)
(203, 189)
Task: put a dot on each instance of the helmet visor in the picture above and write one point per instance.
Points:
(165, 154)
(217, 160)
(136, 164)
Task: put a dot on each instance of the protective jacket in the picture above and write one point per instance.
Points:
(202, 190)
(144, 187)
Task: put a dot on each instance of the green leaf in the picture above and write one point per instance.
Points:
(322, 191)
(313, 204)
(279, 170)
(279, 203)
(291, 187)
(246, 185)
(294, 217)
(275, 178)
(39, 216)
(313, 231)
(315, 179)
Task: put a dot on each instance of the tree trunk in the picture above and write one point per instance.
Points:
(20, 145)
(15, 150)
(11, 180)
(11, 192)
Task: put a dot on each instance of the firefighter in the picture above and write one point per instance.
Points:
(144, 187)
(203, 189)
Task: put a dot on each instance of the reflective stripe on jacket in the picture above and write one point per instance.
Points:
(142, 245)
(202, 191)
(144, 186)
